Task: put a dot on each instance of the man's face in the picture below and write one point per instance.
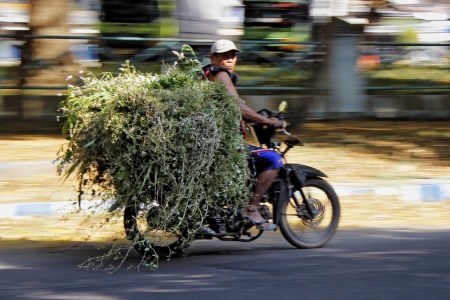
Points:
(226, 59)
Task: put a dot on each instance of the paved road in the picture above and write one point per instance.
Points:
(356, 264)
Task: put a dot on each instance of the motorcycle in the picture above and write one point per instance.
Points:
(303, 205)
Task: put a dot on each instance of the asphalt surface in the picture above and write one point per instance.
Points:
(355, 264)
(391, 261)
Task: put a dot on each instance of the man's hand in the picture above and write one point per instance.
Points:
(275, 122)
(250, 115)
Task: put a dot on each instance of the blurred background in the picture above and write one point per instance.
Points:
(333, 58)
(367, 85)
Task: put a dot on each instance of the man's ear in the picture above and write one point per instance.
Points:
(212, 57)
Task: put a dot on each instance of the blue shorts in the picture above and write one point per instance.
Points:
(261, 160)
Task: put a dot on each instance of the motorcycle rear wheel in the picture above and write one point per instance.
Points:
(148, 241)
(303, 231)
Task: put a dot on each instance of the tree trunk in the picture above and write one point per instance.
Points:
(47, 62)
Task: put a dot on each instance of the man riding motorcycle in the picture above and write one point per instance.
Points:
(264, 163)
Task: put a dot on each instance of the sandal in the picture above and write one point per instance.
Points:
(259, 224)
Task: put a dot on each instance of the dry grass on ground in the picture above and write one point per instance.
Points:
(385, 153)
(378, 150)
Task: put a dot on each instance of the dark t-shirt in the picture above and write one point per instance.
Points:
(214, 70)
(234, 78)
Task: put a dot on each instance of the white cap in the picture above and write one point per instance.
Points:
(222, 46)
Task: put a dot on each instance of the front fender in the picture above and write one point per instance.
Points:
(306, 171)
(299, 173)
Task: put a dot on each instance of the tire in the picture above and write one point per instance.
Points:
(137, 228)
(306, 233)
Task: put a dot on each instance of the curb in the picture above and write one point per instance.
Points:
(423, 192)
(409, 191)
(30, 209)
(417, 193)
(47, 208)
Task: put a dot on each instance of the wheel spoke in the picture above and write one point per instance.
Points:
(143, 237)
(304, 232)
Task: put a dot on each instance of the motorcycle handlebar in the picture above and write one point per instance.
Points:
(282, 121)
(283, 128)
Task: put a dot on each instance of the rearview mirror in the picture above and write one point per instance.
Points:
(282, 107)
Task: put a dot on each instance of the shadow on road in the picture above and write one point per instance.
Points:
(408, 263)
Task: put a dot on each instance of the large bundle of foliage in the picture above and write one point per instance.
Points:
(171, 139)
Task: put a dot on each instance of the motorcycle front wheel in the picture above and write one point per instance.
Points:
(300, 228)
(148, 239)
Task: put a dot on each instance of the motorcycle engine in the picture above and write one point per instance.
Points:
(264, 210)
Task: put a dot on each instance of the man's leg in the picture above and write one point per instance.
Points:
(263, 183)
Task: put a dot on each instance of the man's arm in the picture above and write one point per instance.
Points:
(248, 114)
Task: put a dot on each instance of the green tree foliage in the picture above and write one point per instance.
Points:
(408, 36)
(170, 140)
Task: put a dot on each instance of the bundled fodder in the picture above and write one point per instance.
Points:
(169, 141)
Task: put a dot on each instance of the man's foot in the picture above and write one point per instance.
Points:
(253, 215)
